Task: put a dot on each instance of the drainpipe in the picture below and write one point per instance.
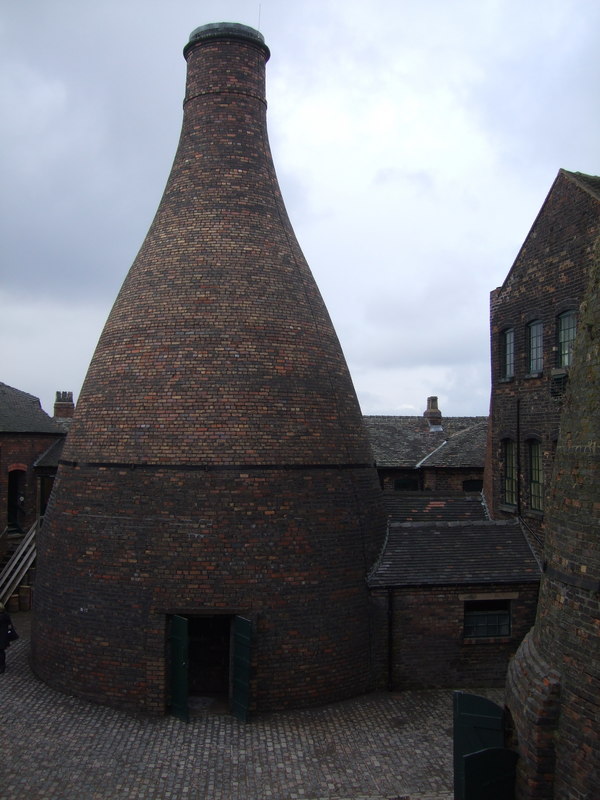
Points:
(390, 619)
(518, 457)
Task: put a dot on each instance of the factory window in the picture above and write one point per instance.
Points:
(484, 619)
(535, 347)
(536, 475)
(566, 330)
(509, 472)
(507, 353)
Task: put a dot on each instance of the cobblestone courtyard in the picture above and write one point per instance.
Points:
(378, 747)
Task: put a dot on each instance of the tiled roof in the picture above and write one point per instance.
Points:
(432, 507)
(451, 553)
(51, 456)
(409, 441)
(22, 413)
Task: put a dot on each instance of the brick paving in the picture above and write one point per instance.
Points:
(378, 747)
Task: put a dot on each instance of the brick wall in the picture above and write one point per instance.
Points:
(21, 450)
(429, 648)
(218, 460)
(554, 683)
(548, 277)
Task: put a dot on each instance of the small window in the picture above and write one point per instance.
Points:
(535, 346)
(485, 619)
(406, 484)
(566, 330)
(509, 472)
(536, 475)
(472, 485)
(507, 353)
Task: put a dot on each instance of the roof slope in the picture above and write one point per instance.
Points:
(409, 441)
(451, 553)
(22, 413)
(432, 507)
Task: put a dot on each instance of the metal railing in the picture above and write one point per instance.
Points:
(18, 565)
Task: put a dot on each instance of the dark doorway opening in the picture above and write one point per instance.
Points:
(209, 662)
(16, 498)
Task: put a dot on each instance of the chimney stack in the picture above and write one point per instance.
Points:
(63, 405)
(433, 414)
(218, 473)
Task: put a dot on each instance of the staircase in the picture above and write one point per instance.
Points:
(18, 563)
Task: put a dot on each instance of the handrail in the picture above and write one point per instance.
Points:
(20, 561)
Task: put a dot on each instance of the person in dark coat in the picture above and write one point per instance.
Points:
(5, 623)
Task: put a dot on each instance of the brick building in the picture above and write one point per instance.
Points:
(533, 326)
(429, 453)
(217, 490)
(27, 435)
(455, 593)
(553, 686)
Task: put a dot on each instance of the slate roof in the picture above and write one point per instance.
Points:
(22, 413)
(454, 553)
(433, 507)
(409, 442)
(51, 456)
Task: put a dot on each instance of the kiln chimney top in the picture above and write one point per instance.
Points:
(226, 30)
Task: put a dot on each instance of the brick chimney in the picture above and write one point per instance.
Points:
(433, 414)
(218, 467)
(64, 406)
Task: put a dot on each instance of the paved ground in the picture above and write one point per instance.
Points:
(378, 747)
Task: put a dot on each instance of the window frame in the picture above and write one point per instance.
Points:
(509, 472)
(535, 347)
(565, 344)
(487, 619)
(535, 475)
(507, 354)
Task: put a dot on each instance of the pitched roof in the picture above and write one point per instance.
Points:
(589, 182)
(432, 507)
(454, 553)
(22, 413)
(410, 441)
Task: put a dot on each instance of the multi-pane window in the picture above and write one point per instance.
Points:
(509, 472)
(535, 342)
(486, 618)
(567, 328)
(536, 475)
(507, 353)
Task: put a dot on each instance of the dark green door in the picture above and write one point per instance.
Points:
(179, 668)
(478, 725)
(490, 774)
(242, 647)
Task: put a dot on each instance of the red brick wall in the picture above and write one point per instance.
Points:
(21, 449)
(547, 278)
(429, 649)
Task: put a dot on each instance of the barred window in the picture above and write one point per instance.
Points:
(566, 330)
(536, 475)
(507, 353)
(509, 472)
(486, 618)
(535, 340)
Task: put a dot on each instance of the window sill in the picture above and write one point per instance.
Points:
(559, 372)
(508, 509)
(534, 513)
(487, 640)
(533, 375)
(506, 379)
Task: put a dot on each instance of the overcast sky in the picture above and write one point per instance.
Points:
(415, 142)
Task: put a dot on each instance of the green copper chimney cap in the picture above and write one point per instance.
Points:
(226, 30)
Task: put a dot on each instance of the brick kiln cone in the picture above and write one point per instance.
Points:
(218, 465)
